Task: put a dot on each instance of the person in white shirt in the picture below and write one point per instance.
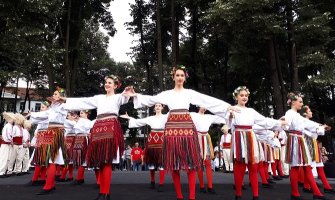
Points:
(106, 138)
(297, 152)
(154, 145)
(217, 160)
(225, 143)
(26, 145)
(17, 152)
(82, 130)
(6, 142)
(38, 159)
(244, 142)
(202, 123)
(181, 149)
(283, 139)
(52, 143)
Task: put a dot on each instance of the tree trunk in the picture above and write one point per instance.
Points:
(280, 76)
(277, 96)
(51, 76)
(194, 14)
(159, 46)
(16, 91)
(291, 46)
(173, 34)
(26, 97)
(66, 52)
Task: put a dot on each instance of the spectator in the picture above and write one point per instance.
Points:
(216, 161)
(127, 155)
(137, 157)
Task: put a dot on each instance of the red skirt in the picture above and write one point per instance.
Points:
(48, 143)
(181, 150)
(105, 140)
(69, 141)
(79, 150)
(153, 149)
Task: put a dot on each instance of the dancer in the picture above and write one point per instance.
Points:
(245, 146)
(26, 145)
(17, 151)
(6, 143)
(106, 139)
(282, 136)
(81, 129)
(297, 153)
(39, 159)
(153, 149)
(181, 149)
(52, 145)
(276, 164)
(202, 123)
(315, 151)
(225, 143)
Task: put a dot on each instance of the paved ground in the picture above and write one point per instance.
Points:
(134, 185)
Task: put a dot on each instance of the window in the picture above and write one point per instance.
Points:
(21, 106)
(37, 107)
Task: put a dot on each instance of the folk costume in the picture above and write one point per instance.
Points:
(6, 142)
(154, 145)
(202, 123)
(225, 143)
(106, 137)
(181, 150)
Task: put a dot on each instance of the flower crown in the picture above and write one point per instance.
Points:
(239, 89)
(46, 103)
(293, 97)
(116, 80)
(60, 89)
(181, 67)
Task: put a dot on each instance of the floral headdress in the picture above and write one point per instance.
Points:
(116, 80)
(46, 103)
(61, 90)
(179, 67)
(292, 97)
(239, 89)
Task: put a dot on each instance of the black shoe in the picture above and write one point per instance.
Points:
(271, 181)
(18, 174)
(45, 192)
(69, 180)
(61, 180)
(330, 191)
(180, 199)
(267, 185)
(203, 190)
(160, 188)
(3, 176)
(78, 182)
(98, 197)
(254, 198)
(285, 176)
(319, 197)
(152, 185)
(307, 190)
(32, 183)
(211, 191)
(238, 197)
(105, 197)
(296, 198)
(41, 182)
(277, 178)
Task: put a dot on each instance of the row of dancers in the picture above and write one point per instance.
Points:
(178, 140)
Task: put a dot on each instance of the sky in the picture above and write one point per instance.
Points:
(120, 44)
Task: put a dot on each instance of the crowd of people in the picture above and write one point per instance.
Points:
(65, 139)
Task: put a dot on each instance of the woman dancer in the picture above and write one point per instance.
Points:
(297, 153)
(39, 157)
(106, 139)
(315, 151)
(181, 149)
(202, 123)
(52, 142)
(81, 129)
(153, 150)
(245, 146)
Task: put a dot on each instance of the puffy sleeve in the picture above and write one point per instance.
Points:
(289, 119)
(141, 101)
(216, 106)
(37, 117)
(135, 123)
(84, 103)
(216, 119)
(314, 127)
(122, 99)
(266, 122)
